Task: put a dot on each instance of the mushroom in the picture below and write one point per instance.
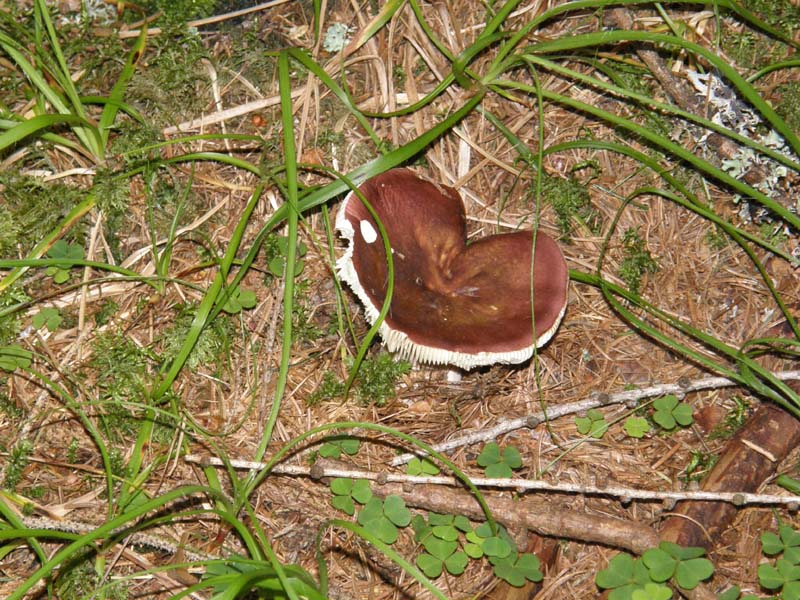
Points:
(467, 305)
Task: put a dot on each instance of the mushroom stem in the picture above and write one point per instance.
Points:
(454, 375)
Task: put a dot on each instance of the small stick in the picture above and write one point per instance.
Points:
(624, 494)
(628, 397)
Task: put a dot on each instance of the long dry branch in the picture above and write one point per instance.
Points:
(630, 398)
(623, 494)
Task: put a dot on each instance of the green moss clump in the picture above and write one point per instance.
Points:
(789, 106)
(637, 260)
(571, 202)
(374, 384)
(32, 208)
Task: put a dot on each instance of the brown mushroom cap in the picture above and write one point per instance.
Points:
(453, 303)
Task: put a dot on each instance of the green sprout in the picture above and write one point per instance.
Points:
(67, 252)
(335, 447)
(499, 462)
(670, 412)
(593, 424)
(637, 261)
(346, 491)
(636, 427)
(383, 517)
(47, 317)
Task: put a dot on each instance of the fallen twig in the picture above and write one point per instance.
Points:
(628, 397)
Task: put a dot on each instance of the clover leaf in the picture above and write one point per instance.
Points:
(516, 568)
(636, 427)
(623, 576)
(783, 574)
(240, 299)
(334, 447)
(593, 424)
(277, 263)
(345, 491)
(788, 543)
(652, 591)
(670, 412)
(47, 317)
(384, 517)
(67, 252)
(497, 462)
(421, 466)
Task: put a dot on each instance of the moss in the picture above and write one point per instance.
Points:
(377, 378)
(33, 208)
(122, 372)
(789, 106)
(637, 260)
(375, 383)
(10, 324)
(212, 347)
(79, 579)
(571, 202)
(170, 89)
(752, 49)
(17, 461)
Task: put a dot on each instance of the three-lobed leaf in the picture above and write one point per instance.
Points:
(593, 424)
(421, 466)
(636, 427)
(669, 412)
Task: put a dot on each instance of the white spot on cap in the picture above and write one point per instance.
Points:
(368, 231)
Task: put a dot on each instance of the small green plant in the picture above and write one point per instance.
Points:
(304, 328)
(383, 517)
(47, 317)
(786, 542)
(636, 427)
(439, 537)
(733, 420)
(17, 461)
(240, 299)
(105, 312)
(377, 378)
(784, 574)
(593, 424)
(699, 464)
(499, 462)
(276, 249)
(68, 252)
(509, 565)
(348, 491)
(631, 578)
(72, 451)
(329, 388)
(449, 542)
(336, 447)
(83, 578)
(571, 203)
(636, 261)
(375, 384)
(212, 346)
(421, 467)
(669, 412)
